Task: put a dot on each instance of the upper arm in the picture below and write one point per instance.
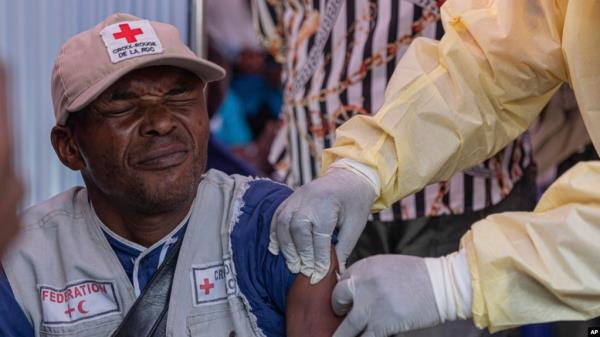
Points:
(262, 278)
(308, 310)
(277, 298)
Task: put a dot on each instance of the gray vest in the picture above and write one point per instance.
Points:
(69, 282)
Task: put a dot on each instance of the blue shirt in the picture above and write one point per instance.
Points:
(263, 278)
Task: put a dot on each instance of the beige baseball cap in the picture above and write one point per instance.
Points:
(93, 60)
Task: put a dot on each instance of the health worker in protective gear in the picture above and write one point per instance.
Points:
(450, 105)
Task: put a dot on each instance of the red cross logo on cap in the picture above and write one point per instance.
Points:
(127, 33)
(206, 286)
(127, 39)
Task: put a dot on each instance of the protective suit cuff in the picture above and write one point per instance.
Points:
(368, 173)
(462, 283)
(451, 283)
(442, 290)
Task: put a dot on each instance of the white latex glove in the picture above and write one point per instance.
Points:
(387, 294)
(303, 224)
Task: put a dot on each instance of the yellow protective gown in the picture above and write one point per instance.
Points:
(451, 104)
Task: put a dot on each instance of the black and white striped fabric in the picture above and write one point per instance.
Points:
(337, 58)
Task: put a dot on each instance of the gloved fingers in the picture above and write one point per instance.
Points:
(340, 254)
(342, 297)
(301, 230)
(323, 228)
(322, 244)
(368, 333)
(348, 236)
(286, 244)
(277, 218)
(352, 325)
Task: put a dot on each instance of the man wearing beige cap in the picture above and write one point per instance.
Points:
(151, 246)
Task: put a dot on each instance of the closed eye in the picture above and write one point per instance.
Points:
(178, 90)
(181, 95)
(120, 112)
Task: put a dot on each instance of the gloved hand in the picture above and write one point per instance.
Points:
(303, 224)
(387, 294)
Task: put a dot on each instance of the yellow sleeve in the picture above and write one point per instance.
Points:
(540, 266)
(453, 103)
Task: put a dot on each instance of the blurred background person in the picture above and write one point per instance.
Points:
(11, 190)
(248, 118)
(218, 98)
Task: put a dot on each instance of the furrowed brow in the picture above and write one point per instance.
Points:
(120, 95)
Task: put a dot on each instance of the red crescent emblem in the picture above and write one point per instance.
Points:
(80, 307)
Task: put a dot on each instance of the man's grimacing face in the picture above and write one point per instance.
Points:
(143, 142)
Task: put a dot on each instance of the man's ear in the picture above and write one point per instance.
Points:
(66, 148)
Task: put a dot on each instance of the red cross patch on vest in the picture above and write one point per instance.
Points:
(213, 282)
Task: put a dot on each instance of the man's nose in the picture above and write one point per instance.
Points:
(157, 121)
